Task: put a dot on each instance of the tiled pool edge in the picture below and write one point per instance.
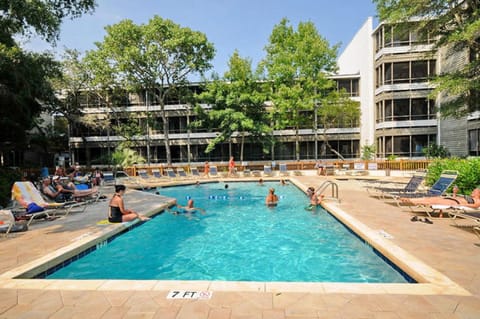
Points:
(430, 281)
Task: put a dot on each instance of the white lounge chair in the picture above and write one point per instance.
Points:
(7, 219)
(283, 169)
(267, 171)
(213, 171)
(24, 193)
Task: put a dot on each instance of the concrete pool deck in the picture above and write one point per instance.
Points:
(445, 259)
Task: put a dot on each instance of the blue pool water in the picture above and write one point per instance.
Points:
(238, 239)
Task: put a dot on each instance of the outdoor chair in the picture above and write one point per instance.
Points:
(171, 173)
(194, 172)
(411, 187)
(283, 169)
(214, 171)
(267, 171)
(181, 173)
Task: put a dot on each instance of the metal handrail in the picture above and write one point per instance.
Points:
(325, 185)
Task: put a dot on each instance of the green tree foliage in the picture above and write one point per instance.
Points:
(25, 77)
(468, 172)
(337, 110)
(456, 24)
(237, 102)
(436, 151)
(368, 152)
(124, 156)
(158, 57)
(298, 63)
(42, 17)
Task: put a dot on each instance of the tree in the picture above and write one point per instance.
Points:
(456, 24)
(25, 77)
(157, 57)
(337, 110)
(298, 63)
(237, 104)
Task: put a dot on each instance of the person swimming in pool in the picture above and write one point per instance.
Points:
(272, 199)
(188, 209)
(315, 200)
(117, 211)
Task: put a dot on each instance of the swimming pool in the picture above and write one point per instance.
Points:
(239, 239)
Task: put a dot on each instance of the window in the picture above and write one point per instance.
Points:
(419, 71)
(401, 110)
(407, 72)
(406, 145)
(349, 85)
(405, 110)
(474, 142)
(388, 73)
(401, 72)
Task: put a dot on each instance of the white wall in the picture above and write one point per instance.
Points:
(357, 58)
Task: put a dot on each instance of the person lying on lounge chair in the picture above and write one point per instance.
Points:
(472, 201)
(60, 193)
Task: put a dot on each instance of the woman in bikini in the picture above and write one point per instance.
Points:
(472, 201)
(117, 212)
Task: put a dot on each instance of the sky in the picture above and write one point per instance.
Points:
(243, 25)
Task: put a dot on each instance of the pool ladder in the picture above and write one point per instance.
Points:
(325, 185)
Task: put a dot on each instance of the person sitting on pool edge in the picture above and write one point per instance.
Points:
(315, 200)
(117, 212)
(272, 199)
(188, 209)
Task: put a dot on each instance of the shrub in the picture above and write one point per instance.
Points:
(468, 172)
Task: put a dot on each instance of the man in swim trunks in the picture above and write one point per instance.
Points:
(272, 199)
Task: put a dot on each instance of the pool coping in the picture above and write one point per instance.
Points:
(429, 280)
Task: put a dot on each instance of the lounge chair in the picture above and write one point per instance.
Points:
(213, 171)
(7, 220)
(181, 173)
(144, 175)
(411, 187)
(247, 172)
(24, 193)
(283, 170)
(470, 215)
(194, 171)
(156, 173)
(267, 171)
(445, 180)
(171, 174)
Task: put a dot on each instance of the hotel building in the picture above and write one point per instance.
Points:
(386, 71)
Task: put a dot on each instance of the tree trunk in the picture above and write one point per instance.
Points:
(166, 139)
(330, 147)
(297, 144)
(241, 146)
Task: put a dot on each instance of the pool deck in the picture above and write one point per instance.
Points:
(445, 260)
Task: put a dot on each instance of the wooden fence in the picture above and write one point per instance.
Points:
(400, 165)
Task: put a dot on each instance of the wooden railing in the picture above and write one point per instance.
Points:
(401, 165)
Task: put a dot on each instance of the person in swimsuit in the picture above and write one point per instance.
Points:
(315, 200)
(272, 199)
(117, 212)
(472, 201)
(231, 167)
(188, 209)
(206, 169)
